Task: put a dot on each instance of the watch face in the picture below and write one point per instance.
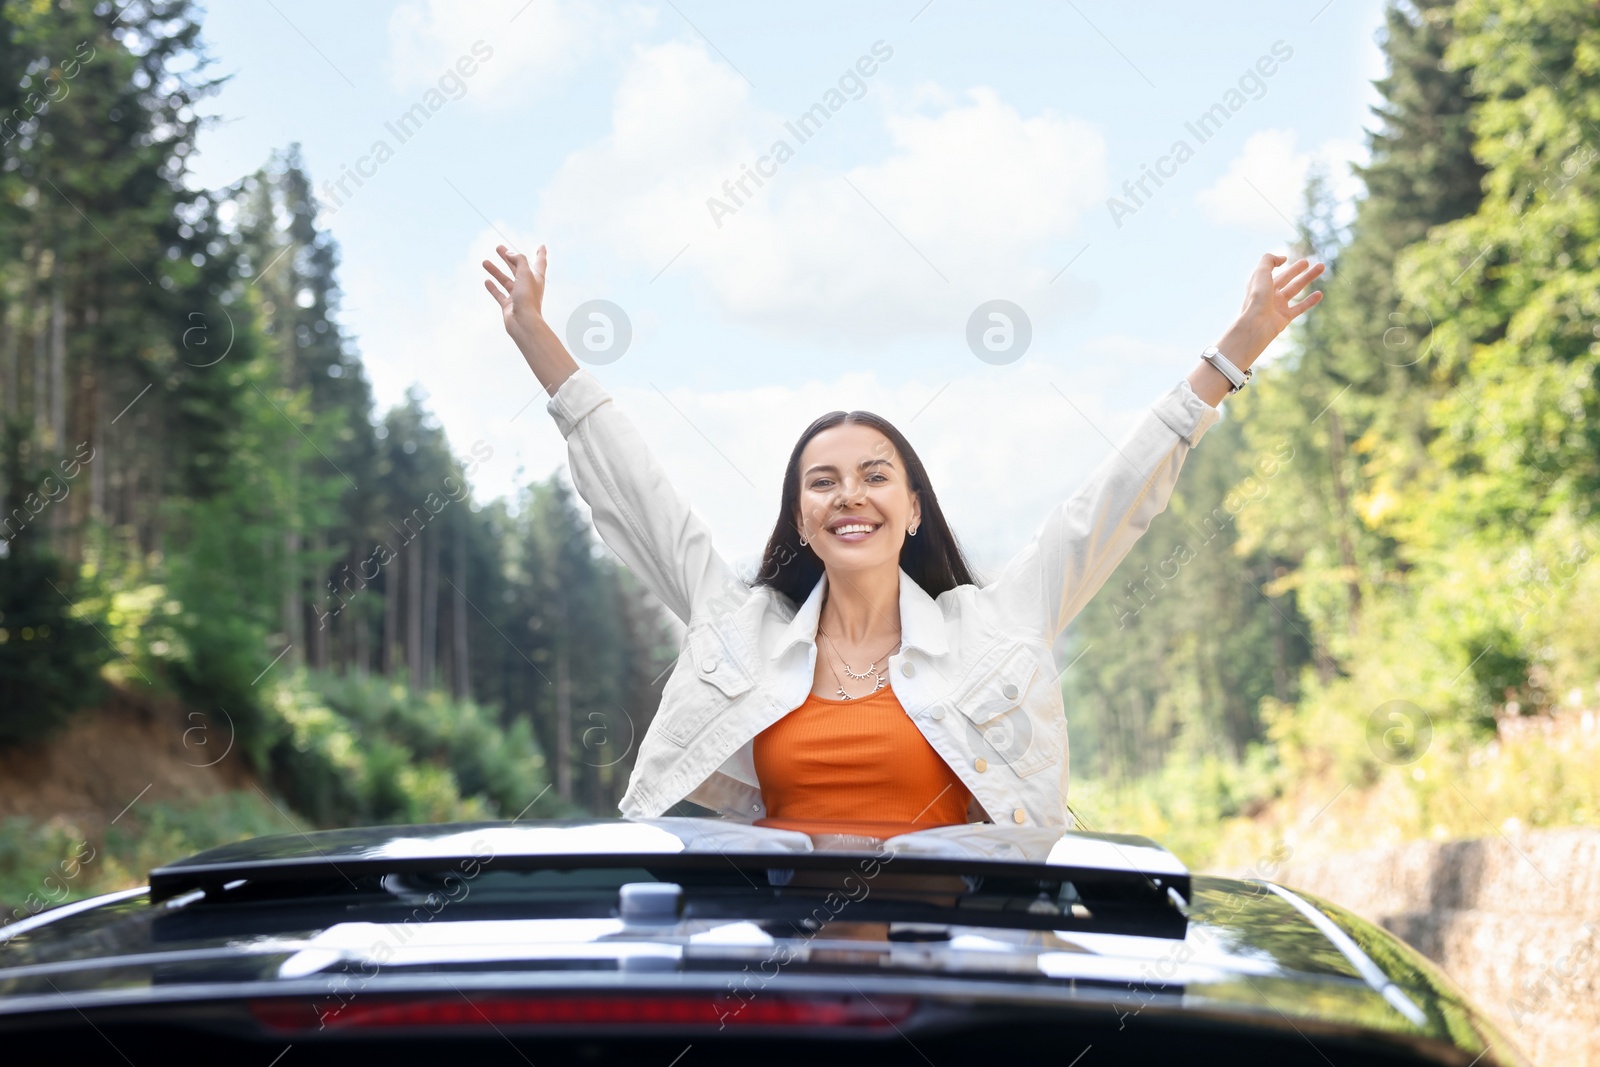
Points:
(1213, 359)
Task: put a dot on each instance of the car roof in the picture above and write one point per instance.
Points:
(1115, 916)
(586, 841)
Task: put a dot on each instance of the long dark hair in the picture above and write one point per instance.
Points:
(932, 559)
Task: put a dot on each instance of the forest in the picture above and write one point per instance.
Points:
(1373, 578)
(1375, 574)
(201, 502)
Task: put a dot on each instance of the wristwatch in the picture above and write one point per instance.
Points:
(1236, 377)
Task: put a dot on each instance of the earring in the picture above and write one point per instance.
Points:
(912, 532)
(803, 540)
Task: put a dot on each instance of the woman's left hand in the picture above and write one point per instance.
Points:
(1266, 313)
(1267, 310)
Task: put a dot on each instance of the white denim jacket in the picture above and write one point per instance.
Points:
(975, 671)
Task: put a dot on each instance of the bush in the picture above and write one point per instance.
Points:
(45, 864)
(353, 750)
(50, 651)
(40, 865)
(1185, 806)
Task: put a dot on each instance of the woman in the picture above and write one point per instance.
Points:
(864, 684)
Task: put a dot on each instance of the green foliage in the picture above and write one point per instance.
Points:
(45, 864)
(1402, 508)
(50, 652)
(40, 866)
(153, 834)
(363, 750)
(1506, 504)
(251, 515)
(1156, 673)
(1432, 538)
(1184, 805)
(1272, 541)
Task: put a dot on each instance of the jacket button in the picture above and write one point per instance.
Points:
(937, 712)
(980, 764)
(907, 669)
(708, 665)
(1019, 815)
(1009, 690)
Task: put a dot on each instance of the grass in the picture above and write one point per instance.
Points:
(44, 863)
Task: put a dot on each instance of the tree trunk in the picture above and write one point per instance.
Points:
(28, 326)
(1326, 671)
(413, 555)
(128, 502)
(1347, 552)
(8, 352)
(1136, 720)
(563, 725)
(430, 611)
(330, 602)
(97, 444)
(58, 366)
(391, 615)
(293, 601)
(1280, 659)
(84, 426)
(362, 638)
(41, 379)
(462, 671)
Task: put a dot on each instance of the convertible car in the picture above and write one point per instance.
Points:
(686, 941)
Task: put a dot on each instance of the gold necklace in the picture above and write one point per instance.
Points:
(871, 671)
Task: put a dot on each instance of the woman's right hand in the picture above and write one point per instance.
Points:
(521, 298)
(521, 294)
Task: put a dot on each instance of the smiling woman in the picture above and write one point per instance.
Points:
(864, 682)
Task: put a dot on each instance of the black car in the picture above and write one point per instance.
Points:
(684, 941)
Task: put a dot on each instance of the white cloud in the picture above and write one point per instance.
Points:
(1264, 187)
(535, 44)
(970, 189)
(982, 190)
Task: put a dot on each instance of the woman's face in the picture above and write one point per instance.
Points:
(850, 476)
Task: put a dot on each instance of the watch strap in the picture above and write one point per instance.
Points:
(1236, 377)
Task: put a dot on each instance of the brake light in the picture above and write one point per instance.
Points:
(455, 1010)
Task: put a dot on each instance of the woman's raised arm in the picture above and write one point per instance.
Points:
(639, 513)
(521, 299)
(1083, 539)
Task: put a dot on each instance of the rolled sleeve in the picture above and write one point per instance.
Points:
(575, 398)
(1189, 416)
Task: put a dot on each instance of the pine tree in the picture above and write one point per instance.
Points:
(1502, 518)
(1269, 538)
(1352, 394)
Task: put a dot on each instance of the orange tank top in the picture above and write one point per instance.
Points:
(856, 766)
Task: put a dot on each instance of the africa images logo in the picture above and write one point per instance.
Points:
(1205, 126)
(805, 127)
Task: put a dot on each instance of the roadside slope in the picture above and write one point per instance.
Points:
(128, 751)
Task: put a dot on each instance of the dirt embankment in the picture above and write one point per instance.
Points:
(1513, 919)
(129, 751)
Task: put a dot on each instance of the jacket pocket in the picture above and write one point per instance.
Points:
(1000, 714)
(709, 679)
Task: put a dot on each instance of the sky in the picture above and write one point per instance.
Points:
(789, 209)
